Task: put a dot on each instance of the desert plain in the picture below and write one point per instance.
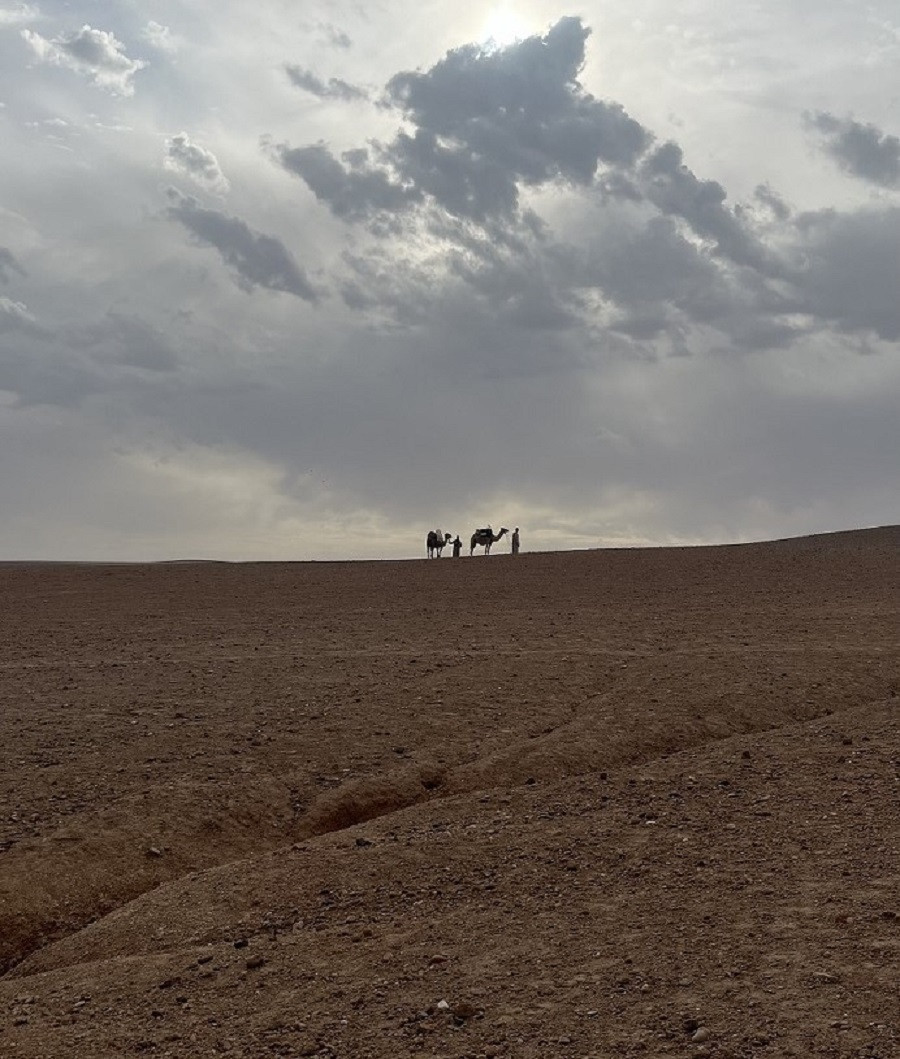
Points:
(606, 803)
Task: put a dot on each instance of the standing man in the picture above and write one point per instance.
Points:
(515, 541)
(457, 547)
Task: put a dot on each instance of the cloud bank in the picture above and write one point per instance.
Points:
(563, 283)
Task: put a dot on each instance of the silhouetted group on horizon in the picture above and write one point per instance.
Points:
(485, 537)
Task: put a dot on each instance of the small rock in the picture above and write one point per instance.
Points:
(154, 851)
(701, 1035)
(254, 962)
(442, 1005)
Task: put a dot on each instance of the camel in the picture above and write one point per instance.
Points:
(486, 537)
(435, 543)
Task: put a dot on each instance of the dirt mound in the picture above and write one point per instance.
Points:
(367, 798)
(746, 887)
(54, 884)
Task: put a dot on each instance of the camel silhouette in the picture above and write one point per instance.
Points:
(485, 537)
(435, 543)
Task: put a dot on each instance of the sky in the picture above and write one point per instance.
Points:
(303, 280)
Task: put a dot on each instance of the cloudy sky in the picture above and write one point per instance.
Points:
(303, 279)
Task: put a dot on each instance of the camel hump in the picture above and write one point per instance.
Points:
(484, 531)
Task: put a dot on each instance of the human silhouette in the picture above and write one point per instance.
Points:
(515, 541)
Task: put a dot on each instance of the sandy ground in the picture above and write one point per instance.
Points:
(605, 803)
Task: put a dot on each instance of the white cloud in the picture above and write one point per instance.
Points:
(14, 316)
(160, 37)
(195, 161)
(95, 53)
(17, 14)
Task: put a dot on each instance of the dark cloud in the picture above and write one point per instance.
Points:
(523, 108)
(516, 288)
(674, 189)
(766, 197)
(672, 266)
(654, 265)
(863, 150)
(852, 271)
(8, 265)
(127, 341)
(258, 260)
(484, 122)
(68, 365)
(333, 88)
(352, 190)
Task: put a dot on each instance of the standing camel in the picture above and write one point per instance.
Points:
(435, 543)
(486, 537)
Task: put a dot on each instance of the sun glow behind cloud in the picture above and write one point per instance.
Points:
(502, 27)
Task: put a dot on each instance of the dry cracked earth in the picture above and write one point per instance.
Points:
(606, 803)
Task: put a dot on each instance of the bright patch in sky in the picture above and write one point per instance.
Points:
(503, 27)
